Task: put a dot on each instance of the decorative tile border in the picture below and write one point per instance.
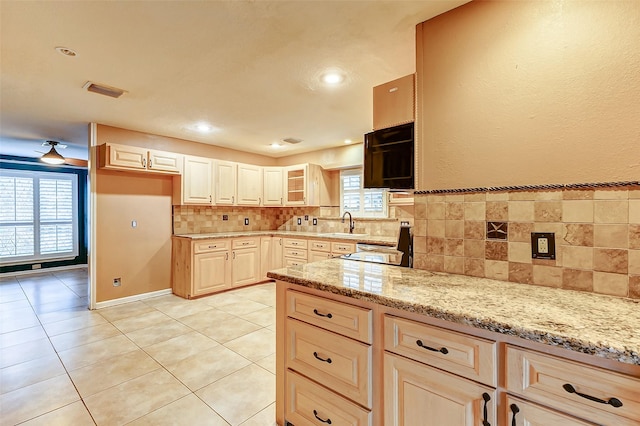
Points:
(531, 187)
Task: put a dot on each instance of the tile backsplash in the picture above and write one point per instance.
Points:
(597, 236)
(205, 219)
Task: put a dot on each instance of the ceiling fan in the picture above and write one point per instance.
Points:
(52, 157)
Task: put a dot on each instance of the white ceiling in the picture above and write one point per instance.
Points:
(250, 68)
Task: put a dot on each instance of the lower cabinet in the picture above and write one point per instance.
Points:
(245, 260)
(418, 395)
(211, 272)
(523, 413)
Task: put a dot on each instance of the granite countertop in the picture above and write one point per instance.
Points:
(599, 325)
(358, 238)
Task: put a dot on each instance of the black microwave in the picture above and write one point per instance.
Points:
(389, 158)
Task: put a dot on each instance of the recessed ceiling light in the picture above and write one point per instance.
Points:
(347, 141)
(203, 127)
(275, 145)
(66, 51)
(332, 77)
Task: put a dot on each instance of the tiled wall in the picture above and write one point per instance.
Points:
(597, 234)
(201, 220)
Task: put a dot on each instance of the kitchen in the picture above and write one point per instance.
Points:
(555, 93)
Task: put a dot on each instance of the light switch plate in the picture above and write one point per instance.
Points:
(543, 245)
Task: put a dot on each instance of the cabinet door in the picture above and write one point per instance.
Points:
(295, 181)
(211, 272)
(266, 243)
(196, 181)
(272, 183)
(226, 182)
(246, 266)
(127, 157)
(393, 103)
(418, 395)
(522, 413)
(277, 251)
(163, 161)
(249, 187)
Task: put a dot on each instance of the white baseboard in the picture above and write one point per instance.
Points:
(43, 270)
(133, 298)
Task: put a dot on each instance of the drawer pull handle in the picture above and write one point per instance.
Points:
(315, 311)
(328, 360)
(515, 410)
(614, 402)
(429, 348)
(485, 413)
(328, 421)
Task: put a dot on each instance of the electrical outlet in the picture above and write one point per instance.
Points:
(299, 221)
(134, 223)
(225, 217)
(404, 223)
(117, 282)
(246, 220)
(315, 221)
(543, 245)
(306, 217)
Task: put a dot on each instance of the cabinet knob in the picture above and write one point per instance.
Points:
(514, 410)
(150, 166)
(144, 162)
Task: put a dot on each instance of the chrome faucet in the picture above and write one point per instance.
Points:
(351, 223)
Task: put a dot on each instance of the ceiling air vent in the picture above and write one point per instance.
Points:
(292, 140)
(101, 89)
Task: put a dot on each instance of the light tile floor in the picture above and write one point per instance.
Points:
(160, 361)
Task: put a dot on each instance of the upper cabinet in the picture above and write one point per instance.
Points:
(394, 103)
(196, 186)
(132, 158)
(249, 185)
(272, 194)
(225, 177)
(307, 185)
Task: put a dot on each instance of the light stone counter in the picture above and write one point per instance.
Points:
(593, 324)
(357, 238)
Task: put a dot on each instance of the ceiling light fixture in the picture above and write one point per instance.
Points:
(52, 157)
(66, 51)
(347, 141)
(275, 145)
(203, 127)
(332, 77)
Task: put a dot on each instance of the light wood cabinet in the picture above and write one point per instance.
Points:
(272, 186)
(225, 178)
(245, 256)
(200, 267)
(418, 395)
(518, 412)
(132, 158)
(211, 272)
(294, 251)
(394, 103)
(591, 393)
(305, 185)
(249, 185)
(196, 186)
(322, 250)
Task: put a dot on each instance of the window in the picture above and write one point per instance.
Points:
(38, 216)
(358, 201)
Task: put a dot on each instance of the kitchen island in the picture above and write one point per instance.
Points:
(472, 349)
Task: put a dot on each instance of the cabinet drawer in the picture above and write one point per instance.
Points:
(293, 262)
(295, 242)
(245, 243)
(210, 245)
(557, 383)
(348, 320)
(339, 363)
(320, 245)
(343, 247)
(468, 356)
(295, 252)
(310, 404)
(520, 413)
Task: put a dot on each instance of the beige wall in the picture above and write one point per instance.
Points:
(529, 92)
(139, 256)
(333, 158)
